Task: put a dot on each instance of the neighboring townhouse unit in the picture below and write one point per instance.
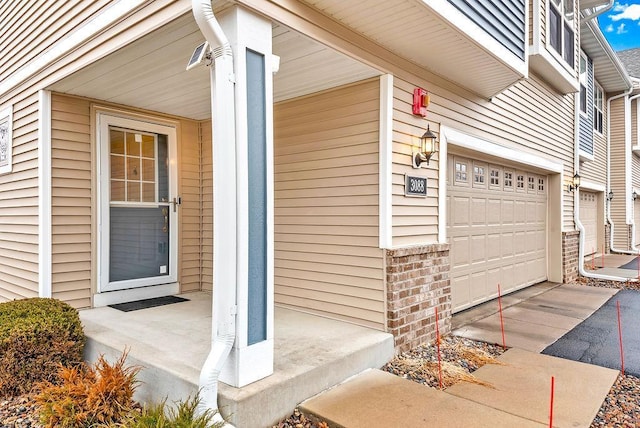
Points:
(625, 162)
(286, 169)
(602, 79)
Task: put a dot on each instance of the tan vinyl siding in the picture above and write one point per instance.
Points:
(72, 222)
(71, 200)
(29, 28)
(617, 151)
(19, 207)
(327, 259)
(528, 116)
(189, 190)
(206, 235)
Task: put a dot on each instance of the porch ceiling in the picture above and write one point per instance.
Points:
(149, 73)
(415, 30)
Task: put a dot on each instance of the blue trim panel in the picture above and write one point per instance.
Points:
(504, 20)
(257, 195)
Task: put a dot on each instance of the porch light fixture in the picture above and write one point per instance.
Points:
(576, 182)
(428, 147)
(610, 196)
(634, 195)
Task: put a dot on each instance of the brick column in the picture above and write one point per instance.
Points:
(417, 281)
(570, 243)
(607, 238)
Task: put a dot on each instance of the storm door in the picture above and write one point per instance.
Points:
(138, 204)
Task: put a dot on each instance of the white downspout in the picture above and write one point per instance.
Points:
(624, 94)
(576, 200)
(223, 321)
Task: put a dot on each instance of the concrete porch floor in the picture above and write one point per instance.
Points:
(171, 342)
(610, 265)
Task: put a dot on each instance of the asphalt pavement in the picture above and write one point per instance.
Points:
(596, 339)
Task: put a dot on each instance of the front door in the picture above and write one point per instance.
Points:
(138, 203)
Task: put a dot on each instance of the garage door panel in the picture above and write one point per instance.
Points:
(478, 211)
(520, 212)
(508, 212)
(460, 251)
(459, 211)
(499, 235)
(494, 212)
(520, 243)
(478, 286)
(478, 248)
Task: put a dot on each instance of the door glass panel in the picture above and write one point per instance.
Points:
(139, 208)
(139, 242)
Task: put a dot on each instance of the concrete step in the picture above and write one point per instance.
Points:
(311, 354)
(520, 397)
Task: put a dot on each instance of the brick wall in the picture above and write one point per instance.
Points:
(570, 242)
(417, 281)
(607, 238)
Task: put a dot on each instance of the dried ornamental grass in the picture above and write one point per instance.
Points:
(87, 396)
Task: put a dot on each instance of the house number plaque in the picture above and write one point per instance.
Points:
(415, 186)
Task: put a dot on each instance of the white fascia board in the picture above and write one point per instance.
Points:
(44, 194)
(479, 36)
(101, 21)
(385, 159)
(590, 185)
(470, 142)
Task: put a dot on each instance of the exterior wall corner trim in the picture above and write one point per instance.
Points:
(44, 195)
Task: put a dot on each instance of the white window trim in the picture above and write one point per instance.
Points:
(583, 78)
(559, 56)
(597, 87)
(7, 114)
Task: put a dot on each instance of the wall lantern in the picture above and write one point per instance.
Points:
(428, 147)
(610, 196)
(634, 195)
(576, 182)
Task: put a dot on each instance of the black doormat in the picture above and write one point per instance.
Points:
(148, 303)
(633, 264)
(596, 339)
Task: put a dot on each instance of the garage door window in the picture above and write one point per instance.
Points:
(508, 180)
(531, 184)
(540, 185)
(494, 177)
(520, 183)
(479, 176)
(461, 172)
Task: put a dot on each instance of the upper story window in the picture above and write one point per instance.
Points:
(598, 110)
(561, 35)
(583, 83)
(5, 140)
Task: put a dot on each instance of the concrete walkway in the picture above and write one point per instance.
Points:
(520, 391)
(611, 264)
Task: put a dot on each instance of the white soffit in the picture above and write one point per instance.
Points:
(412, 30)
(149, 73)
(608, 70)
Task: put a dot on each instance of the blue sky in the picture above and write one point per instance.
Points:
(621, 25)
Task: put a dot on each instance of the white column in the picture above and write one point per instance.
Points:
(251, 358)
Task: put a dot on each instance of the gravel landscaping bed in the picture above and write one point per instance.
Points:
(621, 408)
(460, 358)
(622, 285)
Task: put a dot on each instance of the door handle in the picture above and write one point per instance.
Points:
(176, 201)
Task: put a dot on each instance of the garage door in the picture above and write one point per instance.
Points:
(496, 229)
(589, 219)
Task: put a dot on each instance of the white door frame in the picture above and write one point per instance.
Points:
(103, 121)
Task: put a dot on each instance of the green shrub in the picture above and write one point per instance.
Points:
(184, 415)
(36, 336)
(88, 396)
